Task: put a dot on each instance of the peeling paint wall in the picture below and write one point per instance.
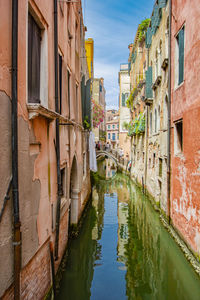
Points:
(185, 179)
(36, 141)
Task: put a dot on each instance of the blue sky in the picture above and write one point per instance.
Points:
(113, 24)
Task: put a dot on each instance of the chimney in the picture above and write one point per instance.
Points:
(130, 48)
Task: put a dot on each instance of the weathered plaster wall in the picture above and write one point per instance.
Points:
(185, 207)
(37, 156)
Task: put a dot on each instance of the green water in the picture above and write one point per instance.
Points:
(123, 251)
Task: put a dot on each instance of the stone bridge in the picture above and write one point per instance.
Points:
(101, 153)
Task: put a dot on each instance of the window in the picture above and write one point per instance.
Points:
(156, 120)
(113, 136)
(60, 83)
(63, 182)
(69, 82)
(150, 122)
(117, 125)
(113, 126)
(77, 110)
(158, 126)
(123, 100)
(160, 167)
(180, 55)
(84, 164)
(178, 137)
(154, 160)
(108, 136)
(100, 88)
(34, 52)
(108, 126)
(126, 96)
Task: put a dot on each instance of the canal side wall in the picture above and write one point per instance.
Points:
(37, 167)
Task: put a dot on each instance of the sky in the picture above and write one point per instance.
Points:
(113, 24)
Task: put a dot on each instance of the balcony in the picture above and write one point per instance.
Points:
(165, 64)
(157, 82)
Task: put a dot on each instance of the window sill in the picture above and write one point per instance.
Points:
(179, 86)
(38, 110)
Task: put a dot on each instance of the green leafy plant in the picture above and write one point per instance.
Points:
(142, 29)
(86, 123)
(136, 126)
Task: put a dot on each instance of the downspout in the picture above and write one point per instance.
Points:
(169, 118)
(59, 189)
(15, 189)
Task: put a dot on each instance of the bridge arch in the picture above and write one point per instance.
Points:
(102, 153)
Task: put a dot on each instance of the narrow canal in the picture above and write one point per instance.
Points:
(123, 251)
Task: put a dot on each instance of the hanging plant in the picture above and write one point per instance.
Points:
(97, 114)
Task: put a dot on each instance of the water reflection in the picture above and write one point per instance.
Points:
(123, 252)
(107, 168)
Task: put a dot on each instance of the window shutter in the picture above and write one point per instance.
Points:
(83, 97)
(88, 101)
(162, 3)
(181, 55)
(149, 92)
(123, 99)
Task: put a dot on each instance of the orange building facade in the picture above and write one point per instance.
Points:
(185, 118)
(53, 162)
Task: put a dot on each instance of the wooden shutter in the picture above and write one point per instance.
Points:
(148, 88)
(181, 55)
(83, 97)
(88, 100)
(34, 48)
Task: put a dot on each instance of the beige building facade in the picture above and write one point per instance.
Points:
(124, 111)
(112, 128)
(99, 96)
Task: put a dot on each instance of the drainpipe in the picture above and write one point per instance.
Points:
(59, 189)
(15, 189)
(169, 118)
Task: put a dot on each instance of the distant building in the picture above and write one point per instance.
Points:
(89, 47)
(112, 128)
(124, 111)
(98, 95)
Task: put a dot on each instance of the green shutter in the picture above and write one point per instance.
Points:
(83, 97)
(88, 100)
(148, 88)
(162, 3)
(181, 55)
(123, 99)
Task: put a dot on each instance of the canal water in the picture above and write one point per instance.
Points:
(123, 251)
